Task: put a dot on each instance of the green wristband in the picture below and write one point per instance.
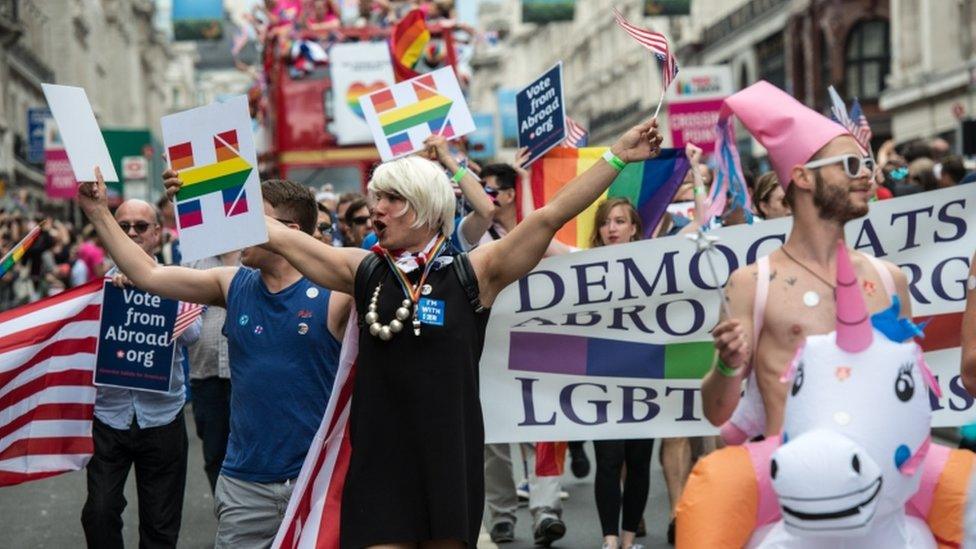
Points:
(614, 160)
(725, 370)
(459, 174)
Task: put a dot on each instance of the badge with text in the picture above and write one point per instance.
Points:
(430, 311)
(541, 115)
(135, 350)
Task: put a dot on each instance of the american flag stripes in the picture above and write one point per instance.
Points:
(47, 399)
(185, 315)
(654, 41)
(576, 136)
(859, 125)
(312, 517)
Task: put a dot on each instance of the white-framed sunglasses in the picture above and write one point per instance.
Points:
(853, 164)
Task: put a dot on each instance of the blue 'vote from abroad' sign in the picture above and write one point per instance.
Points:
(541, 113)
(135, 346)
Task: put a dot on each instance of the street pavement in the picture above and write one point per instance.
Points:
(579, 513)
(46, 513)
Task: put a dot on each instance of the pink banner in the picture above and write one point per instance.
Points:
(694, 122)
(59, 177)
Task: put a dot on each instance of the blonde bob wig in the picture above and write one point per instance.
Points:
(424, 186)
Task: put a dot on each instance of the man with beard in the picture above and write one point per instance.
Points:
(783, 298)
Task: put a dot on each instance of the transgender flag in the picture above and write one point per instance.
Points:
(650, 185)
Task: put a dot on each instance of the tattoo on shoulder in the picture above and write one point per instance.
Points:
(791, 280)
(772, 276)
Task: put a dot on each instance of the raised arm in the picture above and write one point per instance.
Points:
(479, 219)
(722, 385)
(334, 268)
(504, 261)
(208, 287)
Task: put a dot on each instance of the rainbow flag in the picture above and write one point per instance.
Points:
(227, 176)
(593, 356)
(18, 251)
(407, 42)
(650, 186)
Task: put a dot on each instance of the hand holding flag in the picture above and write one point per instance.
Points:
(657, 43)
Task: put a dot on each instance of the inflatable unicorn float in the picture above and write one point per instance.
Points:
(854, 466)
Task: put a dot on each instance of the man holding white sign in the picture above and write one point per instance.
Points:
(140, 428)
(781, 299)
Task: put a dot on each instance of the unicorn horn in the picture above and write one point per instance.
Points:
(853, 325)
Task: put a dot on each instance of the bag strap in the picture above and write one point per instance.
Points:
(468, 280)
(367, 267)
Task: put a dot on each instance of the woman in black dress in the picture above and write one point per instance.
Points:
(415, 476)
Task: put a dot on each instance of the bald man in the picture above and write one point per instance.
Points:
(140, 428)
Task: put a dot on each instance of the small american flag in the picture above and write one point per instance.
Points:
(654, 41)
(47, 362)
(859, 125)
(576, 136)
(185, 315)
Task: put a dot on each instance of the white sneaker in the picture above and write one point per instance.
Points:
(522, 490)
(563, 495)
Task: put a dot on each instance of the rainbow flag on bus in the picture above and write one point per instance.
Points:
(407, 42)
(650, 186)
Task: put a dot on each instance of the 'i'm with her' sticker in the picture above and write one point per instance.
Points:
(430, 311)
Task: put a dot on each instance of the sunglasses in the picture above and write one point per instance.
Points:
(360, 220)
(139, 226)
(853, 164)
(325, 229)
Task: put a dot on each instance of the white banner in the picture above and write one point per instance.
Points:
(611, 343)
(357, 69)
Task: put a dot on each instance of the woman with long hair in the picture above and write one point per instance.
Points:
(617, 222)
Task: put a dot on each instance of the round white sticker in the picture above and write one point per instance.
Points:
(811, 299)
(312, 293)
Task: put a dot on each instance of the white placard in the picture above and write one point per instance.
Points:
(219, 208)
(402, 116)
(79, 132)
(357, 69)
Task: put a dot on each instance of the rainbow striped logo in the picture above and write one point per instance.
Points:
(431, 109)
(226, 176)
(593, 356)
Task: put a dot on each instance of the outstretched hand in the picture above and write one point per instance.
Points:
(172, 183)
(93, 195)
(694, 153)
(641, 142)
(521, 157)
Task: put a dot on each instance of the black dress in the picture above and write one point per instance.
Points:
(416, 468)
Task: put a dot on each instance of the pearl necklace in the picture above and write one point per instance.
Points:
(386, 331)
(412, 292)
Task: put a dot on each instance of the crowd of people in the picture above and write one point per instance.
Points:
(251, 468)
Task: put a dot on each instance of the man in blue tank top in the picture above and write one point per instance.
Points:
(283, 334)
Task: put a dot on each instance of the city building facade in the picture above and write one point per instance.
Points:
(932, 85)
(110, 47)
(802, 46)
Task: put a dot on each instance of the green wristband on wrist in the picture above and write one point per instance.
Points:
(614, 160)
(725, 370)
(459, 174)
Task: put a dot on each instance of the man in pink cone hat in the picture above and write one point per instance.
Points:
(778, 301)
